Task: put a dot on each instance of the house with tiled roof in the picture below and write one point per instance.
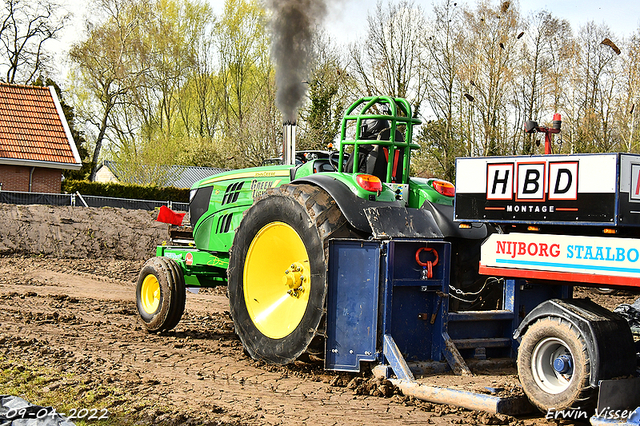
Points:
(178, 176)
(35, 141)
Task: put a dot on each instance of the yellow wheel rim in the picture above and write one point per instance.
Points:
(276, 280)
(150, 294)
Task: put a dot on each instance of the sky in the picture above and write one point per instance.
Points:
(622, 16)
(347, 19)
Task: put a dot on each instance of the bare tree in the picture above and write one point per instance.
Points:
(443, 139)
(488, 72)
(389, 62)
(25, 28)
(109, 62)
(545, 54)
(596, 81)
(628, 95)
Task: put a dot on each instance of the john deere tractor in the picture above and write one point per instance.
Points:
(346, 257)
(265, 231)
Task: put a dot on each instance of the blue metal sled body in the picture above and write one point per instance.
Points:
(384, 309)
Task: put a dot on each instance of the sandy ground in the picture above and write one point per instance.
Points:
(79, 232)
(55, 314)
(73, 309)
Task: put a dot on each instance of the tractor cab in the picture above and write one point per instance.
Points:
(301, 157)
(382, 143)
(374, 158)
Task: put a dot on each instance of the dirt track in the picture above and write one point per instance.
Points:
(78, 316)
(55, 315)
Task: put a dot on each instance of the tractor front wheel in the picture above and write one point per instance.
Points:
(277, 271)
(160, 294)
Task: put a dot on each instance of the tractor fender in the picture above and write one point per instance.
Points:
(443, 215)
(381, 219)
(608, 337)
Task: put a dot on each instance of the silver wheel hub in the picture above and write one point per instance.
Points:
(552, 365)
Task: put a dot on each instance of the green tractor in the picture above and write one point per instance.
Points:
(346, 257)
(265, 231)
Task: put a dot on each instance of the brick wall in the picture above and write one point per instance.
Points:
(16, 178)
(47, 180)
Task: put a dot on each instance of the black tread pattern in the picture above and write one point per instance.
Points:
(323, 218)
(178, 295)
(331, 223)
(579, 394)
(172, 294)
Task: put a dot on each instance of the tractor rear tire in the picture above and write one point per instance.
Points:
(278, 271)
(160, 294)
(541, 345)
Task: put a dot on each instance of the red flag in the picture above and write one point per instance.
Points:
(166, 215)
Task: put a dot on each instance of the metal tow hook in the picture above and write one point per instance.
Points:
(427, 267)
(441, 296)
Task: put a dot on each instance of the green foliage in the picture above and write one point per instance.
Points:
(440, 147)
(123, 190)
(159, 108)
(167, 82)
(323, 125)
(328, 84)
(204, 152)
(245, 85)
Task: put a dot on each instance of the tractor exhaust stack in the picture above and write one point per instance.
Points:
(289, 143)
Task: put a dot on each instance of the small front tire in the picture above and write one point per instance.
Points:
(160, 294)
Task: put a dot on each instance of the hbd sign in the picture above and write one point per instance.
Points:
(545, 189)
(634, 194)
(532, 182)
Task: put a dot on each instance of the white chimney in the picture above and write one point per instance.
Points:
(289, 143)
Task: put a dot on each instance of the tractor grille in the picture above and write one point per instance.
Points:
(224, 223)
(199, 204)
(232, 193)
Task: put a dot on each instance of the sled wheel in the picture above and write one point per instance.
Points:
(554, 366)
(277, 270)
(606, 290)
(160, 294)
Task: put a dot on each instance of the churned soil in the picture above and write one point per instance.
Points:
(79, 232)
(67, 303)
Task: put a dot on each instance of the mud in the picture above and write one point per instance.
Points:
(79, 232)
(56, 315)
(67, 302)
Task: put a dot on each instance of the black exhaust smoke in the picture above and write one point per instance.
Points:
(293, 23)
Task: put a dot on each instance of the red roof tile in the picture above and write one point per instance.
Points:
(31, 127)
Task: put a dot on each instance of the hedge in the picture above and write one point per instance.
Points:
(125, 190)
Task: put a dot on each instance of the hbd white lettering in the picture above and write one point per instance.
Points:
(532, 181)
